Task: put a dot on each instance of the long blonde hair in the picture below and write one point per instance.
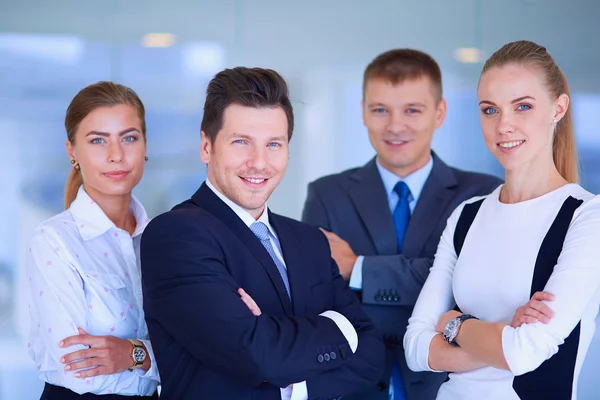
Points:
(101, 94)
(528, 53)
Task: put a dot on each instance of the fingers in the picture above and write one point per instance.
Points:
(90, 362)
(92, 372)
(250, 303)
(330, 235)
(87, 340)
(543, 296)
(81, 354)
(539, 307)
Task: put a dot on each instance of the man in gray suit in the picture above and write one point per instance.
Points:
(384, 220)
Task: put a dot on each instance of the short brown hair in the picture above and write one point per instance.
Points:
(248, 87)
(101, 94)
(399, 65)
(530, 54)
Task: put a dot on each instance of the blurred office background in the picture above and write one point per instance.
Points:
(169, 50)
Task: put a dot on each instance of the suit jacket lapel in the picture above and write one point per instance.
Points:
(371, 202)
(206, 199)
(297, 272)
(433, 201)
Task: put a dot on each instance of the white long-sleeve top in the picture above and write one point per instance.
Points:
(493, 277)
(84, 272)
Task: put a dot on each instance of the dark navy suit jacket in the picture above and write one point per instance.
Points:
(207, 343)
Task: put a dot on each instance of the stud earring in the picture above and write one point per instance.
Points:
(555, 121)
(146, 158)
(72, 161)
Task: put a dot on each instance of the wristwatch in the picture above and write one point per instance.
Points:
(453, 326)
(138, 354)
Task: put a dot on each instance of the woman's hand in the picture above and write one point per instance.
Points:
(106, 355)
(534, 310)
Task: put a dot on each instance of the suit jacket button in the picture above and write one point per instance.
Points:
(326, 357)
(320, 358)
(333, 355)
(396, 299)
(378, 298)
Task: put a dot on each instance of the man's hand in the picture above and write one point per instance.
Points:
(106, 355)
(534, 310)
(342, 253)
(250, 303)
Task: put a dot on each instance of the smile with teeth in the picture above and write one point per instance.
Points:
(255, 180)
(510, 145)
(396, 142)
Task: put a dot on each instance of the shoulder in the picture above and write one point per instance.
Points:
(589, 210)
(300, 230)
(330, 182)
(184, 217)
(55, 230)
(476, 179)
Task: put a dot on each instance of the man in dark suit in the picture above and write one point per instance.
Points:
(242, 303)
(384, 220)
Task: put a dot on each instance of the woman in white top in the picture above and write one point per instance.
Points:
(538, 231)
(88, 335)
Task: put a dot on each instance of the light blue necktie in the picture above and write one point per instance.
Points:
(401, 217)
(261, 231)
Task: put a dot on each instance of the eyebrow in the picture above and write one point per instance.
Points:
(512, 102)
(250, 138)
(416, 104)
(105, 134)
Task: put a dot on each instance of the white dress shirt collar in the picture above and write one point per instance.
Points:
(244, 215)
(92, 221)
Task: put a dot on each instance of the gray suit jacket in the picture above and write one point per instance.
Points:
(354, 205)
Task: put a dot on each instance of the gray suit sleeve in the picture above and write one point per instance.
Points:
(394, 279)
(314, 212)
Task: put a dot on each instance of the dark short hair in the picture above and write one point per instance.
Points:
(248, 87)
(399, 65)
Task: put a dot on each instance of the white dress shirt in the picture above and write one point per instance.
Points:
(84, 272)
(297, 391)
(493, 277)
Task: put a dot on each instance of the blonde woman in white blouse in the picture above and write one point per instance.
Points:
(88, 335)
(538, 231)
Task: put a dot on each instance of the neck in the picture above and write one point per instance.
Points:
(403, 172)
(531, 181)
(116, 208)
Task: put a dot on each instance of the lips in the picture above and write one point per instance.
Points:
(116, 174)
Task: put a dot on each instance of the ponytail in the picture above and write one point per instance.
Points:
(74, 181)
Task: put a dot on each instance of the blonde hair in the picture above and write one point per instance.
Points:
(528, 53)
(101, 94)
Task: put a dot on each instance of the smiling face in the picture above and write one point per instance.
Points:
(401, 119)
(249, 155)
(518, 115)
(110, 148)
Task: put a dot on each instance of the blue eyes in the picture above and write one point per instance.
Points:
(520, 107)
(272, 144)
(127, 139)
(383, 111)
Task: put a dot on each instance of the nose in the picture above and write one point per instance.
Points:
(115, 153)
(257, 158)
(505, 124)
(396, 124)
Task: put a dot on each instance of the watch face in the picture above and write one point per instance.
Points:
(451, 329)
(139, 355)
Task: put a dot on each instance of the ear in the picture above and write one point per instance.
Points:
(440, 113)
(205, 148)
(364, 112)
(562, 106)
(70, 150)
